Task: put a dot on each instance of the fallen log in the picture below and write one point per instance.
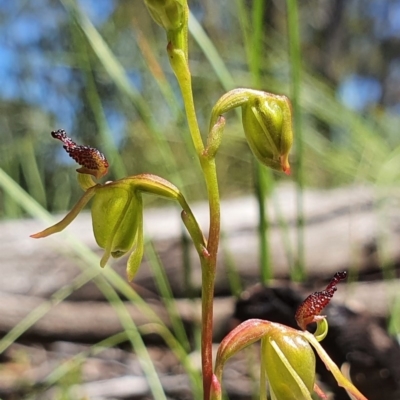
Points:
(344, 228)
(90, 321)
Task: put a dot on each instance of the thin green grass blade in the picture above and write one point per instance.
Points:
(94, 100)
(233, 276)
(167, 296)
(264, 178)
(252, 30)
(298, 272)
(40, 311)
(63, 369)
(157, 72)
(211, 53)
(181, 354)
(31, 171)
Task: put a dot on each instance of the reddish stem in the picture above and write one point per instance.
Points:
(208, 273)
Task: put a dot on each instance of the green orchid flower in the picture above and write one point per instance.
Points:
(117, 206)
(287, 359)
(287, 356)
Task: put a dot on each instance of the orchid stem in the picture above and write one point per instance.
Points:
(209, 260)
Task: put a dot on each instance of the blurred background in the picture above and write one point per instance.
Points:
(55, 73)
(99, 70)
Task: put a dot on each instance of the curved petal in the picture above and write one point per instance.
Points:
(242, 336)
(69, 217)
(136, 256)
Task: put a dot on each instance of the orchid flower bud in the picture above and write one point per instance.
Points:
(267, 124)
(170, 14)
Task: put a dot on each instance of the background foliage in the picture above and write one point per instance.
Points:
(57, 71)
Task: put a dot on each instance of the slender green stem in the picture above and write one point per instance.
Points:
(262, 185)
(209, 258)
(187, 266)
(208, 278)
(298, 272)
(209, 271)
(331, 366)
(181, 69)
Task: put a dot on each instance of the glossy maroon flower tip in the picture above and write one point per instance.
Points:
(92, 161)
(309, 311)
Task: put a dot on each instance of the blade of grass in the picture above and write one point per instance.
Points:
(181, 354)
(264, 180)
(63, 369)
(95, 103)
(167, 296)
(264, 177)
(40, 311)
(156, 71)
(209, 50)
(263, 186)
(11, 208)
(235, 282)
(31, 171)
(298, 272)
